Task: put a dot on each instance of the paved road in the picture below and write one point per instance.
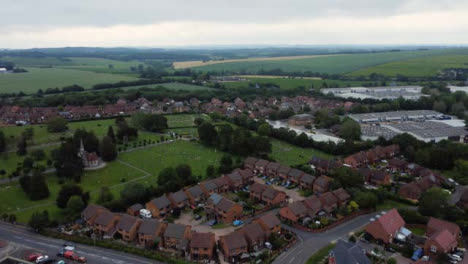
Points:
(95, 255)
(309, 243)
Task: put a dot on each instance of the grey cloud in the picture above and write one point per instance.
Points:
(60, 13)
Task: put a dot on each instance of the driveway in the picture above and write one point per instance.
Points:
(199, 226)
(292, 193)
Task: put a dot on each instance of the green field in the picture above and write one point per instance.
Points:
(338, 64)
(171, 86)
(291, 83)
(417, 67)
(43, 78)
(288, 154)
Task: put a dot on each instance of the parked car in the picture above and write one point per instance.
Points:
(455, 257)
(145, 214)
(212, 222)
(33, 256)
(42, 259)
(60, 262)
(390, 249)
(197, 217)
(418, 253)
(237, 223)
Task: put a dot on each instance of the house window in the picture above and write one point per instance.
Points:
(433, 249)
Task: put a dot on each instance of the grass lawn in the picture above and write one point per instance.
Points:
(320, 255)
(390, 204)
(43, 78)
(288, 154)
(418, 231)
(9, 161)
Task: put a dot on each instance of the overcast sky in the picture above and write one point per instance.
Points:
(157, 23)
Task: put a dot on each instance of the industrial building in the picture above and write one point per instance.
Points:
(377, 93)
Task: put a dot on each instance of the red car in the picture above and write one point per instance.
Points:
(33, 256)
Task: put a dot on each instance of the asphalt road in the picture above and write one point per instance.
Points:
(95, 255)
(309, 243)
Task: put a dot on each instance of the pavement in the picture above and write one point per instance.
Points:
(309, 243)
(455, 197)
(21, 238)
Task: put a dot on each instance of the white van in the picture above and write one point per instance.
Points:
(145, 214)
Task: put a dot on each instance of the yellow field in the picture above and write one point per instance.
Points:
(190, 64)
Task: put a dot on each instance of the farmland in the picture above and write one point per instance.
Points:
(338, 64)
(291, 83)
(430, 66)
(43, 78)
(171, 86)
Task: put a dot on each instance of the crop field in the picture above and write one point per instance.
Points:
(291, 83)
(430, 66)
(43, 78)
(338, 64)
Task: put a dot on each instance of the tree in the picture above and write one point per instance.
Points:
(38, 154)
(110, 134)
(38, 189)
(22, 147)
(28, 133)
(108, 149)
(348, 177)
(2, 141)
(366, 200)
(66, 161)
(264, 129)
(207, 133)
(225, 164)
(133, 193)
(433, 202)
(350, 130)
(184, 171)
(210, 171)
(67, 191)
(168, 179)
(149, 122)
(28, 164)
(74, 206)
(57, 124)
(105, 195)
(39, 220)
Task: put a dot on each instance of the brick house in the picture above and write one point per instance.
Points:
(134, 210)
(410, 191)
(127, 227)
(329, 202)
(397, 164)
(273, 197)
(249, 163)
(227, 211)
(260, 166)
(91, 212)
(202, 246)
(307, 181)
(293, 212)
(209, 187)
(150, 231)
(254, 235)
(283, 172)
(272, 169)
(322, 184)
(235, 180)
(386, 227)
(159, 206)
(247, 175)
(178, 199)
(314, 205)
(269, 223)
(233, 245)
(195, 194)
(295, 175)
(366, 173)
(105, 223)
(342, 196)
(256, 190)
(356, 160)
(380, 178)
(435, 225)
(440, 242)
(177, 237)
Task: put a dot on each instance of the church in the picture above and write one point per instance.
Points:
(90, 160)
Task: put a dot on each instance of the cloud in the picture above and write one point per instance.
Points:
(205, 22)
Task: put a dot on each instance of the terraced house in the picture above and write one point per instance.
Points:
(159, 207)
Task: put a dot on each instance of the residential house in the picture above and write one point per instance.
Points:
(366, 173)
(227, 211)
(342, 195)
(269, 223)
(329, 202)
(91, 212)
(295, 175)
(314, 206)
(195, 194)
(254, 235)
(178, 199)
(177, 237)
(347, 253)
(356, 160)
(233, 245)
(209, 187)
(247, 175)
(380, 177)
(272, 169)
(441, 242)
(283, 172)
(410, 191)
(202, 246)
(386, 227)
(127, 227)
(235, 180)
(222, 184)
(322, 184)
(307, 181)
(249, 163)
(104, 225)
(134, 210)
(301, 120)
(273, 197)
(256, 191)
(323, 165)
(435, 225)
(397, 164)
(293, 212)
(260, 166)
(150, 231)
(159, 206)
